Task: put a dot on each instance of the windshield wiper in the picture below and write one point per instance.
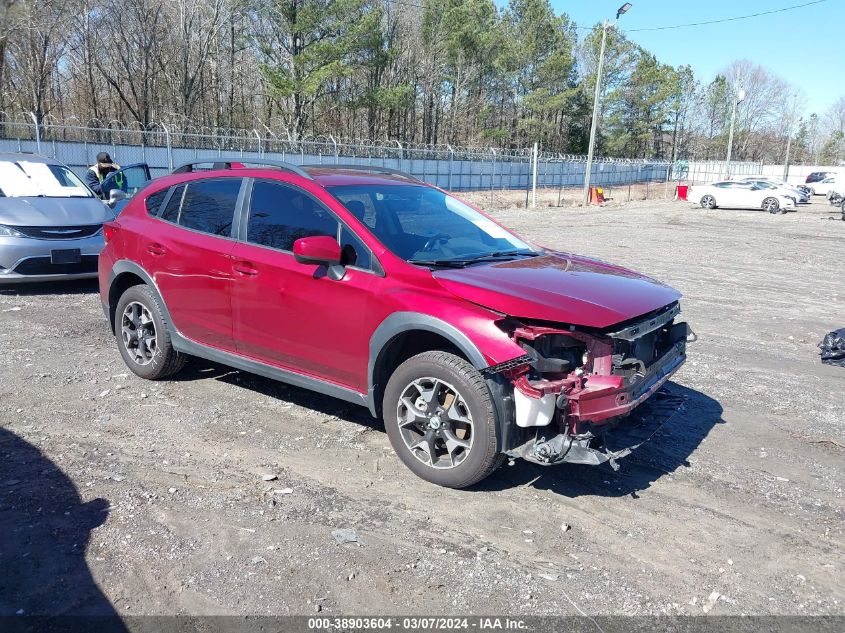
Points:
(462, 262)
(449, 263)
(500, 254)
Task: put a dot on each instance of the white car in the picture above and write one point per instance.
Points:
(824, 187)
(777, 186)
(736, 194)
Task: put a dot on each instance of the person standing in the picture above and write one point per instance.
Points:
(98, 171)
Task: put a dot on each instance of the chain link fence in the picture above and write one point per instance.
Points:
(166, 146)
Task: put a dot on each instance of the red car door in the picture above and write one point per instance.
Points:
(294, 315)
(189, 258)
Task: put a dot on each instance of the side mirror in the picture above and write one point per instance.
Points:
(115, 196)
(319, 249)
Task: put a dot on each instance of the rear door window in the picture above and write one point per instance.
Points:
(207, 206)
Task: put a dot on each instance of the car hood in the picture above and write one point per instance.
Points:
(559, 287)
(53, 211)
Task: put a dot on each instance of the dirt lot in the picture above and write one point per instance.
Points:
(150, 496)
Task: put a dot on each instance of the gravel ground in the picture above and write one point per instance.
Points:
(150, 498)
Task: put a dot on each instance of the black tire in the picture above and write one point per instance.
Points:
(843, 210)
(707, 202)
(165, 360)
(481, 459)
(771, 205)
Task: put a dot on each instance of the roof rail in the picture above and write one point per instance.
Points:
(227, 164)
(373, 168)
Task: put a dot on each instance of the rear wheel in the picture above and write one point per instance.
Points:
(708, 202)
(771, 205)
(143, 335)
(439, 416)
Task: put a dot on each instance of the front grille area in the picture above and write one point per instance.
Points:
(59, 232)
(632, 358)
(43, 266)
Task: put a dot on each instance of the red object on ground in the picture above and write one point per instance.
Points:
(681, 192)
(596, 195)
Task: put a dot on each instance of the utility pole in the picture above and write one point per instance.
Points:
(534, 178)
(623, 9)
(738, 97)
(790, 130)
(595, 117)
(788, 146)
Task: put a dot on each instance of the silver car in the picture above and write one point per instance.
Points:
(51, 223)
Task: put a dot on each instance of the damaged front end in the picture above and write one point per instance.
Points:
(575, 384)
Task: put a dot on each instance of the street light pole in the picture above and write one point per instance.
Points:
(623, 9)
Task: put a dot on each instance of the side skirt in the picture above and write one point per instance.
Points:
(193, 348)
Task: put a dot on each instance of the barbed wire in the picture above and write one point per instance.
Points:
(181, 133)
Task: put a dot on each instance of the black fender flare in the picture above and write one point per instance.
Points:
(125, 266)
(401, 322)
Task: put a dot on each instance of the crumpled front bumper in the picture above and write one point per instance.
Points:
(606, 397)
(594, 412)
(614, 443)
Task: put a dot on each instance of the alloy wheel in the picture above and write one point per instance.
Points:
(138, 333)
(771, 205)
(435, 423)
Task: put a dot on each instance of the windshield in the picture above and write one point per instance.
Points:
(21, 179)
(426, 226)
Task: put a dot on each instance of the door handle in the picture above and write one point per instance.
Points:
(156, 249)
(245, 268)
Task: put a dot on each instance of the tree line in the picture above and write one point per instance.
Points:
(459, 72)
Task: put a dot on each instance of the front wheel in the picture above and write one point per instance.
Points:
(771, 205)
(708, 202)
(440, 418)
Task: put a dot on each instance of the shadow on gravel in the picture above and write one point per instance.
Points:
(198, 369)
(684, 428)
(44, 530)
(669, 449)
(79, 287)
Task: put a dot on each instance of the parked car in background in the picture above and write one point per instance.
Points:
(818, 176)
(734, 194)
(51, 223)
(782, 188)
(365, 284)
(824, 187)
(804, 189)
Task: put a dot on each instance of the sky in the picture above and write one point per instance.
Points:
(803, 46)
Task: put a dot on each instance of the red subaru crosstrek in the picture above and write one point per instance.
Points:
(365, 284)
